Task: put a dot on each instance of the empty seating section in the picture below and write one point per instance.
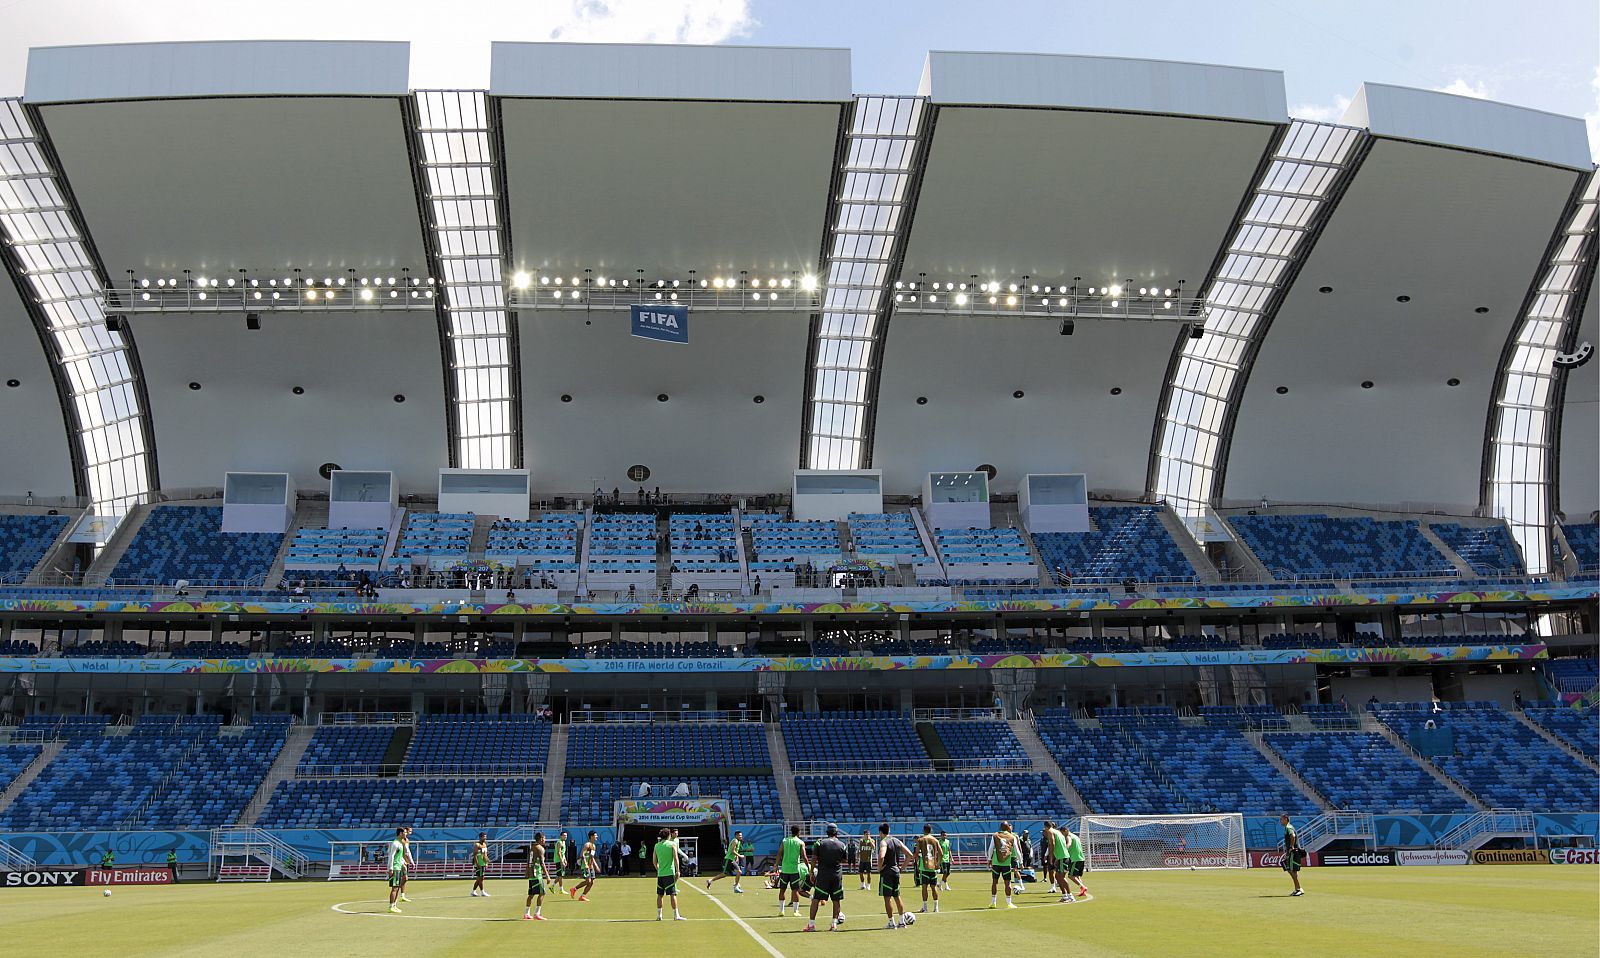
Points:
(24, 540)
(667, 745)
(66, 727)
(216, 781)
(1489, 550)
(1298, 640)
(622, 552)
(1106, 768)
(168, 772)
(430, 534)
(14, 760)
(328, 549)
(1340, 547)
(1573, 676)
(752, 798)
(341, 749)
(861, 740)
(1578, 728)
(778, 546)
(1199, 643)
(420, 802)
(1505, 763)
(985, 556)
(1127, 542)
(483, 741)
(1242, 716)
(1584, 540)
(187, 542)
(1329, 715)
(1218, 770)
(705, 551)
(547, 545)
(981, 744)
(951, 795)
(1364, 772)
(889, 537)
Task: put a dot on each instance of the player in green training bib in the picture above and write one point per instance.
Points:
(480, 865)
(944, 860)
(732, 863)
(666, 859)
(560, 861)
(1293, 856)
(534, 907)
(397, 868)
(790, 854)
(1075, 865)
(1002, 863)
(588, 869)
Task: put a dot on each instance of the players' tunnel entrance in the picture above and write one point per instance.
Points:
(702, 843)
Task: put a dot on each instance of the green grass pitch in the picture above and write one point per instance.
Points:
(1524, 910)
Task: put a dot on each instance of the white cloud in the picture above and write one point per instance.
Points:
(1460, 87)
(1591, 118)
(1322, 112)
(449, 43)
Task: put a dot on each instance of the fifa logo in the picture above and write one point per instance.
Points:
(658, 320)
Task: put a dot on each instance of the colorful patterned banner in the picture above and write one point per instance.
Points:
(853, 663)
(672, 811)
(1092, 603)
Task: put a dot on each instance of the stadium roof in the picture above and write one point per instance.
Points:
(656, 164)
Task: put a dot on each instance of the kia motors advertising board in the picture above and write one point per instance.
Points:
(1382, 856)
(1511, 856)
(1431, 856)
(1199, 860)
(1575, 856)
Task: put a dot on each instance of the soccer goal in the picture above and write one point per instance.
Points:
(1164, 841)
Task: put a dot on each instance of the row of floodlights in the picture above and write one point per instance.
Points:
(287, 282)
(364, 289)
(1012, 299)
(1115, 289)
(524, 280)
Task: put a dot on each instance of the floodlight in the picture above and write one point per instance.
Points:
(366, 295)
(961, 299)
(520, 280)
(808, 283)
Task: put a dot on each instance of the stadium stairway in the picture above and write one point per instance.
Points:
(1188, 546)
(1370, 723)
(281, 770)
(307, 515)
(1044, 762)
(46, 754)
(555, 774)
(1259, 741)
(1252, 563)
(117, 547)
(59, 556)
(480, 534)
(399, 750)
(783, 773)
(1461, 566)
(931, 742)
(1545, 734)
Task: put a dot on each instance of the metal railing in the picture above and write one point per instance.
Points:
(278, 293)
(946, 714)
(1486, 825)
(413, 771)
(369, 718)
(594, 716)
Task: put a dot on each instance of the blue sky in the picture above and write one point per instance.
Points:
(1537, 53)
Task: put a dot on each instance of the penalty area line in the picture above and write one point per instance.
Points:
(765, 944)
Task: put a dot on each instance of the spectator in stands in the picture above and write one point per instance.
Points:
(1516, 699)
(511, 597)
(756, 586)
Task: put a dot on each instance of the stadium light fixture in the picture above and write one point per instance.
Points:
(366, 295)
(808, 283)
(520, 280)
(961, 299)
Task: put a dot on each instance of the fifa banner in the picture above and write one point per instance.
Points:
(1431, 856)
(1511, 856)
(664, 324)
(672, 811)
(77, 877)
(1575, 856)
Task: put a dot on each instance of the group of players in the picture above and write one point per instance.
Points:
(817, 873)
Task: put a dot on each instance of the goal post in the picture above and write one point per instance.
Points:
(1129, 842)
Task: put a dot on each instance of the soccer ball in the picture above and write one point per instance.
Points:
(106, 893)
(1191, 868)
(910, 919)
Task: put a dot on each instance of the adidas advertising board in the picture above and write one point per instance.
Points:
(1383, 856)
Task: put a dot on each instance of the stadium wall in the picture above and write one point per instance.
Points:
(151, 847)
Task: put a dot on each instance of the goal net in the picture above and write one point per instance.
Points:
(1164, 841)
